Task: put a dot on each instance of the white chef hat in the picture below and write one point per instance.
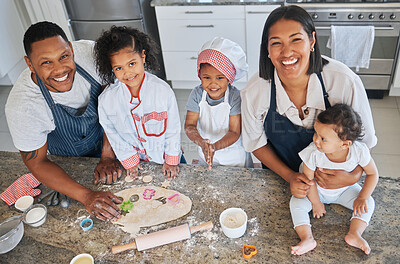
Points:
(224, 55)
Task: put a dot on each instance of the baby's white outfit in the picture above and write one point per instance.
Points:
(358, 155)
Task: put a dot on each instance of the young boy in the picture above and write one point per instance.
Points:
(213, 119)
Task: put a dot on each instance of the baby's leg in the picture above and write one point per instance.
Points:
(299, 209)
(358, 223)
(354, 238)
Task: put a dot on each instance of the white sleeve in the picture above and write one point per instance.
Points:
(360, 104)
(365, 155)
(173, 131)
(253, 134)
(122, 149)
(308, 156)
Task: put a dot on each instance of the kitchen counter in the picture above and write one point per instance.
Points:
(214, 2)
(261, 193)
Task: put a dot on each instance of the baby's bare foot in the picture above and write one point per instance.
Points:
(357, 241)
(304, 246)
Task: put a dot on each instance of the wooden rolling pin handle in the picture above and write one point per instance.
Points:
(205, 226)
(120, 248)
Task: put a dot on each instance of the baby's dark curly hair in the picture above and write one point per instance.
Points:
(347, 121)
(117, 38)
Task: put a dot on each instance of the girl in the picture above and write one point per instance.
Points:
(334, 147)
(138, 111)
(213, 108)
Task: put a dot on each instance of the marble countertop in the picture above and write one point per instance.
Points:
(214, 2)
(261, 193)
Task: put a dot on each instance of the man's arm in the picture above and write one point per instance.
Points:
(334, 179)
(50, 174)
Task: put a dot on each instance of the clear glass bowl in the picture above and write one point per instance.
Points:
(35, 215)
(11, 232)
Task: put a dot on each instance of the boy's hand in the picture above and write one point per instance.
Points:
(360, 206)
(318, 210)
(208, 151)
(171, 171)
(134, 171)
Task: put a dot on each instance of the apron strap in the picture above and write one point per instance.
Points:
(326, 95)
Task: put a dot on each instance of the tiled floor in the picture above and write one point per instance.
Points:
(386, 113)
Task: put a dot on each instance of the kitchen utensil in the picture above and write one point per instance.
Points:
(82, 259)
(55, 200)
(44, 195)
(65, 200)
(51, 197)
(249, 251)
(233, 222)
(86, 224)
(162, 237)
(24, 203)
(11, 232)
(35, 216)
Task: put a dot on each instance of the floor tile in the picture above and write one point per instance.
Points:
(387, 126)
(388, 165)
(6, 143)
(386, 102)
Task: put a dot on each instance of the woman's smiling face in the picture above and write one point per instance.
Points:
(289, 49)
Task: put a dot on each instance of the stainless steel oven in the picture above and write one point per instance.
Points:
(384, 16)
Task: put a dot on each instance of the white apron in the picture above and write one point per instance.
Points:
(213, 124)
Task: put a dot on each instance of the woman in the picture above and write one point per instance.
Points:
(294, 85)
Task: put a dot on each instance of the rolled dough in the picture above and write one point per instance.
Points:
(146, 213)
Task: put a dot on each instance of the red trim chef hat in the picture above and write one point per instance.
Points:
(224, 55)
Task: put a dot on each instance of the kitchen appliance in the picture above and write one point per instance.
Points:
(90, 17)
(384, 15)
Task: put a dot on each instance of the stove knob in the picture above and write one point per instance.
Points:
(350, 16)
(371, 16)
(381, 16)
(314, 16)
(392, 16)
(360, 16)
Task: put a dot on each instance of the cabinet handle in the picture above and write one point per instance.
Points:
(258, 12)
(200, 26)
(193, 58)
(198, 12)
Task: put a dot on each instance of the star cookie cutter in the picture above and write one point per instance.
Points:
(126, 206)
(249, 251)
(174, 198)
(148, 194)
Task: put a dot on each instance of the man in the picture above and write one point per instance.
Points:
(53, 108)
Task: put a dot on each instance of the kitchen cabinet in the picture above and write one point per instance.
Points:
(184, 29)
(395, 87)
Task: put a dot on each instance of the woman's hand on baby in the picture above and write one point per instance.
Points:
(318, 210)
(170, 171)
(360, 206)
(300, 185)
(134, 171)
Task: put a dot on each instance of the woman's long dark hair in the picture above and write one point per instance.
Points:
(298, 14)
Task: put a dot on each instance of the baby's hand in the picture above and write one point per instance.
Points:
(171, 171)
(360, 206)
(318, 210)
(134, 171)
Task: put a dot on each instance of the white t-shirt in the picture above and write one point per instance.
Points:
(358, 155)
(342, 86)
(29, 117)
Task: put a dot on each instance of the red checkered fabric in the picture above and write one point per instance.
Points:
(154, 115)
(172, 160)
(219, 61)
(130, 162)
(23, 186)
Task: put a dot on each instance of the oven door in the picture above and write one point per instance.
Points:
(377, 76)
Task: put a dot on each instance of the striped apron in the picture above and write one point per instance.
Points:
(76, 133)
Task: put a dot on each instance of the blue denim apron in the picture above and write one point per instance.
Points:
(286, 138)
(76, 133)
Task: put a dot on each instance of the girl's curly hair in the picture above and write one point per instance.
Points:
(117, 38)
(347, 122)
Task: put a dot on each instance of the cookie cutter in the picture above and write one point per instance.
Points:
(84, 225)
(249, 251)
(174, 198)
(126, 205)
(148, 194)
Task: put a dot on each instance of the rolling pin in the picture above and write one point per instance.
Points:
(162, 237)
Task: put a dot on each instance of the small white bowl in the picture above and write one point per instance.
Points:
(233, 222)
(24, 203)
(36, 215)
(82, 259)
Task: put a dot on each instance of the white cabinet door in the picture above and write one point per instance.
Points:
(256, 15)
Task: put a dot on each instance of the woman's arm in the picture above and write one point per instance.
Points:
(299, 183)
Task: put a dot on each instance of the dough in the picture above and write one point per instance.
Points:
(147, 179)
(145, 212)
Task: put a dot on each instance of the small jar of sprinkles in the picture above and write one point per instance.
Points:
(36, 215)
